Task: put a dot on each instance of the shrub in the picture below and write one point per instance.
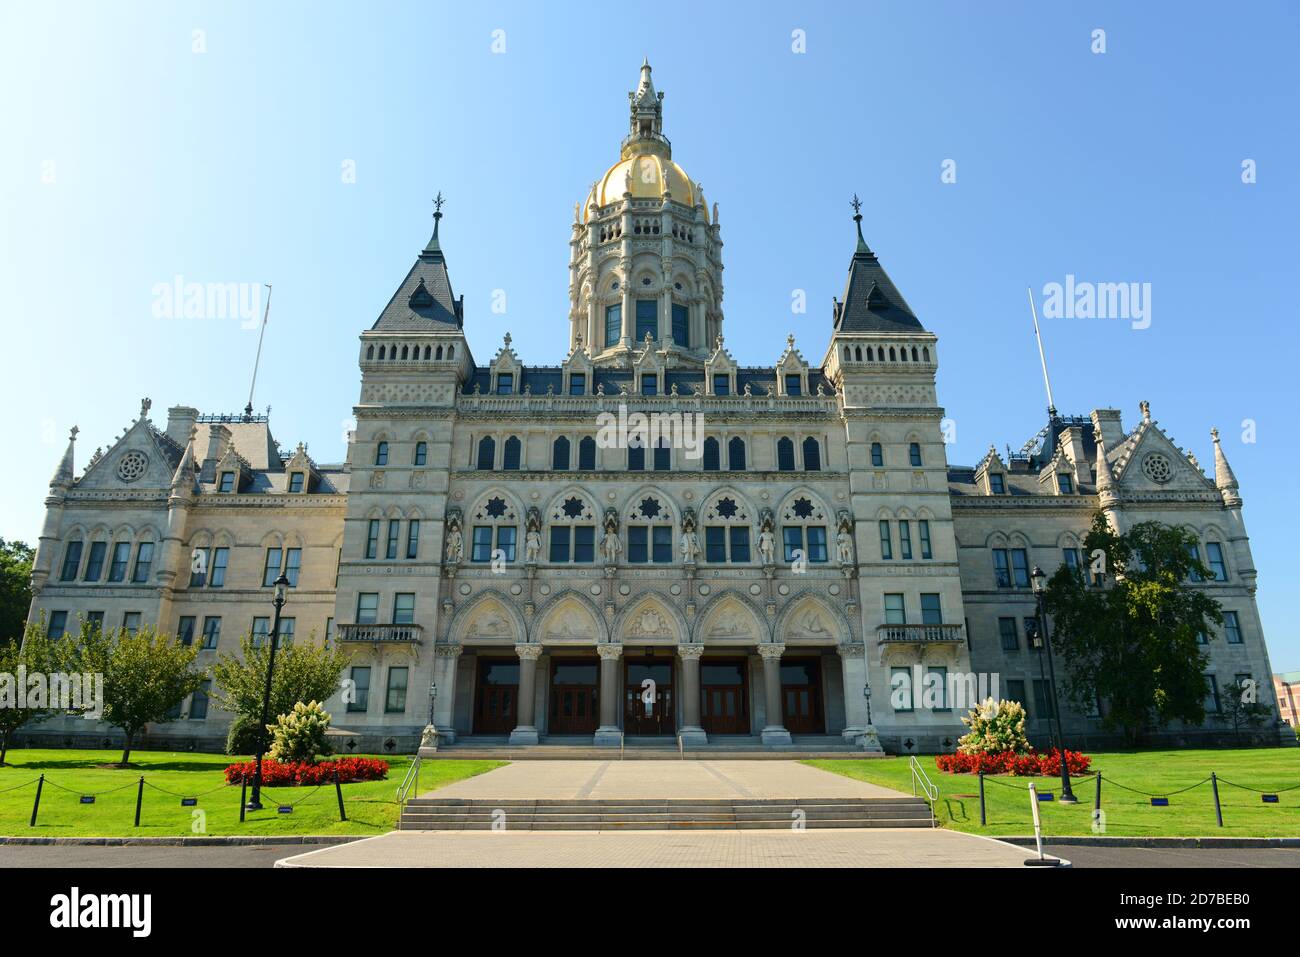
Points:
(242, 736)
(300, 735)
(276, 774)
(996, 727)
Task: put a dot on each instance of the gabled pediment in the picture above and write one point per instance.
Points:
(142, 457)
(1150, 462)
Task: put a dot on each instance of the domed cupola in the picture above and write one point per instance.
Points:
(645, 255)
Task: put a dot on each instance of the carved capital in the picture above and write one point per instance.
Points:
(690, 652)
(771, 650)
(451, 650)
(609, 650)
(528, 651)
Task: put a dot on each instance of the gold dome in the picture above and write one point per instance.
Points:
(647, 174)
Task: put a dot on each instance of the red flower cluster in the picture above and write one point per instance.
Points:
(1006, 762)
(275, 774)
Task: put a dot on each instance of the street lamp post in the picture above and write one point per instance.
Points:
(281, 588)
(866, 693)
(1039, 581)
(433, 697)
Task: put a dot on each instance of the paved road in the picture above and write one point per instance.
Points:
(82, 856)
(706, 780)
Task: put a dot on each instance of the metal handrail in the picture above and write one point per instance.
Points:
(930, 790)
(681, 747)
(412, 778)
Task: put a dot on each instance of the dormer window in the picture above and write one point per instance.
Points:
(997, 483)
(1064, 483)
(793, 385)
(721, 384)
(227, 482)
(578, 383)
(296, 481)
(505, 383)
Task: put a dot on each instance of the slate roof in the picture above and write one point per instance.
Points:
(872, 303)
(424, 301)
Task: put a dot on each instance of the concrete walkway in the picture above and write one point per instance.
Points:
(786, 848)
(603, 780)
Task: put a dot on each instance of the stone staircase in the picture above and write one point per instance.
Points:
(450, 814)
(648, 749)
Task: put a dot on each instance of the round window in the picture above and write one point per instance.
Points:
(131, 466)
(1157, 468)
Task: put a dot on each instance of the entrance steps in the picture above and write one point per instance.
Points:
(658, 814)
(720, 748)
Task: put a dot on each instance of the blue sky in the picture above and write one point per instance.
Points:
(130, 159)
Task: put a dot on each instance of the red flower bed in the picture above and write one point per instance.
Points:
(1029, 764)
(275, 774)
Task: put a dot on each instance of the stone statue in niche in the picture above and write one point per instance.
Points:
(767, 537)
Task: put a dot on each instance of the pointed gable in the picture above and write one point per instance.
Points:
(424, 301)
(871, 301)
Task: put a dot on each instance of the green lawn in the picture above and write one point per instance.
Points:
(1127, 814)
(371, 806)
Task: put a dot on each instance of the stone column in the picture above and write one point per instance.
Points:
(857, 722)
(526, 705)
(691, 731)
(446, 660)
(608, 734)
(774, 732)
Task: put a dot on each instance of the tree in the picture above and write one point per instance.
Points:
(1132, 645)
(303, 672)
(145, 676)
(15, 588)
(1239, 706)
(34, 655)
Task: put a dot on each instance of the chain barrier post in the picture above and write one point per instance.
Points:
(139, 800)
(1096, 802)
(338, 789)
(1218, 809)
(36, 806)
(243, 793)
(983, 815)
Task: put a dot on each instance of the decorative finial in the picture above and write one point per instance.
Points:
(437, 205)
(72, 435)
(1145, 406)
(578, 343)
(789, 341)
(1214, 434)
(145, 405)
(718, 342)
(507, 340)
(857, 207)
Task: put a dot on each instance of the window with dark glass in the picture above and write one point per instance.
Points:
(413, 538)
(271, 570)
(877, 455)
(185, 630)
(895, 610)
(1007, 632)
(1001, 568)
(404, 608)
(510, 454)
(736, 454)
(131, 622)
(715, 544)
(613, 323)
(217, 567)
(817, 543)
(905, 540)
(560, 541)
(487, 453)
(681, 325)
(635, 457)
(71, 561)
(578, 383)
(1065, 483)
(360, 688)
(650, 383)
(914, 454)
(211, 632)
(1232, 627)
(395, 698)
(721, 383)
(121, 558)
(372, 540)
(711, 456)
(886, 544)
(505, 383)
(292, 565)
(261, 630)
(996, 483)
(1213, 551)
(227, 482)
(199, 703)
(1020, 567)
(58, 625)
(143, 563)
(812, 455)
(587, 454)
(663, 456)
(560, 454)
(739, 544)
(95, 619)
(931, 609)
(421, 453)
(381, 453)
(785, 455)
(793, 385)
(368, 608)
(647, 319)
(924, 526)
(481, 548)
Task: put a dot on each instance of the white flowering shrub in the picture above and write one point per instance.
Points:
(300, 734)
(996, 727)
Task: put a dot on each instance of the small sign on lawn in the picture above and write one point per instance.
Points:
(1045, 796)
(1268, 798)
(1160, 802)
(189, 802)
(88, 799)
(285, 809)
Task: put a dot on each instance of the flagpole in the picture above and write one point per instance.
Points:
(248, 409)
(1042, 356)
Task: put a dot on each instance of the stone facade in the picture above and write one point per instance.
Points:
(501, 557)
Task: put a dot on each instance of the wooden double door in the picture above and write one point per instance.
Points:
(575, 690)
(496, 696)
(724, 695)
(648, 704)
(801, 695)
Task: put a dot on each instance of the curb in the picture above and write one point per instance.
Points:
(233, 841)
(1197, 842)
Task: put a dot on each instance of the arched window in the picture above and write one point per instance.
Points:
(510, 454)
(892, 356)
(914, 454)
(925, 353)
(560, 455)
(451, 351)
(858, 352)
(635, 457)
(649, 532)
(803, 531)
(421, 453)
(487, 453)
(726, 522)
(381, 353)
(438, 354)
(736, 454)
(370, 352)
(495, 530)
(426, 352)
(846, 353)
(877, 455)
(381, 453)
(785, 455)
(711, 455)
(587, 454)
(914, 358)
(663, 455)
(812, 455)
